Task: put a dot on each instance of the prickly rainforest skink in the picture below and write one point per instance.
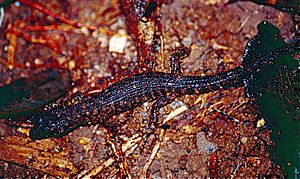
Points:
(134, 91)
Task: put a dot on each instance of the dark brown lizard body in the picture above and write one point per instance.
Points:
(132, 92)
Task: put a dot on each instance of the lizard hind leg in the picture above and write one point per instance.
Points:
(180, 53)
(153, 119)
(157, 105)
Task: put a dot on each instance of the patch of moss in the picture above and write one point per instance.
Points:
(276, 89)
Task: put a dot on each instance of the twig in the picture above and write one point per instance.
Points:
(131, 143)
(56, 16)
(153, 155)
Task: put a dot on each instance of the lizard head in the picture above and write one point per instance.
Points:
(54, 123)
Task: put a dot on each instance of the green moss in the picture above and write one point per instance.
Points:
(276, 90)
(26, 95)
